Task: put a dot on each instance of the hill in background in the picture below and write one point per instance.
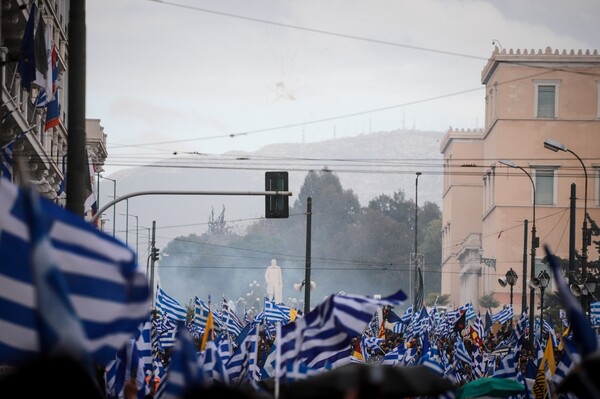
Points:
(369, 164)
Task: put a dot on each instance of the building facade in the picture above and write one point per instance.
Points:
(31, 130)
(502, 184)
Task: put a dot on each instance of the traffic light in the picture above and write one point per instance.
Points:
(276, 206)
(154, 254)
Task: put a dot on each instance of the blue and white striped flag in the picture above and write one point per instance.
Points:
(595, 314)
(460, 352)
(144, 345)
(127, 365)
(479, 328)
(108, 292)
(323, 336)
(469, 311)
(183, 372)
(212, 365)
(242, 366)
(169, 307)
(507, 368)
(275, 313)
(584, 335)
(232, 323)
(504, 315)
(394, 356)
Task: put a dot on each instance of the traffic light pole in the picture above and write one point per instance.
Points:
(152, 260)
(161, 192)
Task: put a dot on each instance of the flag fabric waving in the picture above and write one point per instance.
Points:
(545, 372)
(26, 63)
(169, 306)
(61, 332)
(504, 315)
(583, 333)
(108, 291)
(323, 336)
(461, 323)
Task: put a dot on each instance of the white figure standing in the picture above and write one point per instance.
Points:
(274, 282)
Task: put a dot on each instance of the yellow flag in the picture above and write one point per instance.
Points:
(293, 314)
(564, 335)
(209, 331)
(545, 371)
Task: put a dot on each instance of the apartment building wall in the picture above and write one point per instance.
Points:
(43, 149)
(530, 97)
(462, 206)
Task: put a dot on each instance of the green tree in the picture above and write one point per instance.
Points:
(488, 301)
(435, 297)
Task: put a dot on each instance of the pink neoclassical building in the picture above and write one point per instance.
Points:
(501, 179)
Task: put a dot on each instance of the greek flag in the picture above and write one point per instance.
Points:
(96, 273)
(583, 334)
(212, 365)
(507, 368)
(232, 323)
(128, 364)
(461, 352)
(169, 307)
(393, 356)
(242, 365)
(595, 313)
(323, 336)
(469, 311)
(478, 327)
(183, 373)
(504, 315)
(275, 313)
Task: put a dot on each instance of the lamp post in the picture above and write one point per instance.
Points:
(114, 198)
(509, 279)
(534, 244)
(415, 262)
(542, 281)
(555, 146)
(137, 231)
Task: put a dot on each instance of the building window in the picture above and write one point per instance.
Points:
(545, 186)
(546, 98)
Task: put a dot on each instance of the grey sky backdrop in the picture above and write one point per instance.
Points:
(215, 76)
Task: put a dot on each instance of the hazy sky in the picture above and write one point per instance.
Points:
(215, 76)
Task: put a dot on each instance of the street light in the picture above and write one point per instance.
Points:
(414, 263)
(541, 282)
(534, 244)
(555, 146)
(298, 286)
(114, 198)
(137, 231)
(509, 279)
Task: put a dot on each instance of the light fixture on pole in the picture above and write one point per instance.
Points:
(415, 259)
(534, 244)
(137, 231)
(298, 286)
(555, 146)
(509, 279)
(588, 287)
(114, 198)
(541, 282)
